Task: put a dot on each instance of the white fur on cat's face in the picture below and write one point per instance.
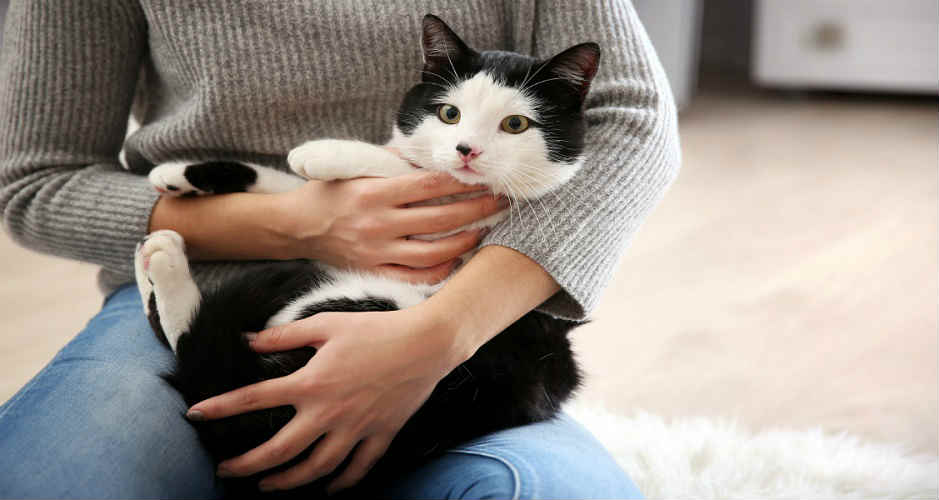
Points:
(514, 164)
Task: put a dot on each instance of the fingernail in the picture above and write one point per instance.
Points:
(224, 472)
(503, 202)
(251, 337)
(195, 415)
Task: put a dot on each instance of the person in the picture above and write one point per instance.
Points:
(246, 80)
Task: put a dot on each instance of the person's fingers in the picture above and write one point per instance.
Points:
(264, 394)
(424, 254)
(301, 333)
(327, 455)
(441, 218)
(430, 275)
(424, 185)
(366, 455)
(289, 441)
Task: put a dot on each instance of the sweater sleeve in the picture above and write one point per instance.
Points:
(68, 71)
(632, 154)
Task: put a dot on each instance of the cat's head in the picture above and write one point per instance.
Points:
(502, 119)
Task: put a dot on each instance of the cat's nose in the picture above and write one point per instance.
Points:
(467, 152)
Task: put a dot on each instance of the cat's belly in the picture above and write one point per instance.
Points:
(354, 286)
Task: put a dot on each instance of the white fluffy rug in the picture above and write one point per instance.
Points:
(708, 458)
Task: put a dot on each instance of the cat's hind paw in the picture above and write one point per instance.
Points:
(169, 179)
(164, 281)
(161, 257)
(172, 255)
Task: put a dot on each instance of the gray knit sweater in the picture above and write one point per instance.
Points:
(251, 79)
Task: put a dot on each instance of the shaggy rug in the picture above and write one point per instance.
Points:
(710, 458)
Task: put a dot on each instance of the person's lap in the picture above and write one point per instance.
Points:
(98, 421)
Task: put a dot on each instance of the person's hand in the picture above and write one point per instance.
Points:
(365, 224)
(371, 372)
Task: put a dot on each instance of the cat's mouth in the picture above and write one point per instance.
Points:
(466, 169)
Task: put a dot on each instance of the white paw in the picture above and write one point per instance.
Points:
(161, 263)
(161, 260)
(305, 159)
(170, 180)
(329, 159)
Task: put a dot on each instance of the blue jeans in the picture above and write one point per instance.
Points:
(99, 422)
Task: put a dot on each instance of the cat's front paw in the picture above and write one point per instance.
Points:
(308, 159)
(169, 179)
(332, 159)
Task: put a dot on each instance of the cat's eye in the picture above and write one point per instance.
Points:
(515, 124)
(448, 114)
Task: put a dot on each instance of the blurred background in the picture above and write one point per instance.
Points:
(789, 277)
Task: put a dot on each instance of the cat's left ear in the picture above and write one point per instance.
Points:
(444, 52)
(577, 65)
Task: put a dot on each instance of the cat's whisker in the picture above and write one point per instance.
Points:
(543, 81)
(525, 80)
(445, 80)
(456, 75)
(518, 185)
(513, 204)
(544, 209)
(564, 188)
(538, 223)
(524, 88)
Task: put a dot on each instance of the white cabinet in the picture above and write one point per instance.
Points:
(889, 45)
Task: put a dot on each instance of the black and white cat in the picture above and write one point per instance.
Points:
(501, 119)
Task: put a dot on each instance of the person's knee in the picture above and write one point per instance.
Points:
(459, 474)
(485, 476)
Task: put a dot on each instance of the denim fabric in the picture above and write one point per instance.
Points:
(99, 422)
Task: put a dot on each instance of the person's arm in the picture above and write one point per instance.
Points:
(373, 370)
(359, 223)
(632, 152)
(67, 76)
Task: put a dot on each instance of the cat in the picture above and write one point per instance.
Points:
(502, 119)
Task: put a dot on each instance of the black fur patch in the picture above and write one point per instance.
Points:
(154, 319)
(341, 305)
(221, 177)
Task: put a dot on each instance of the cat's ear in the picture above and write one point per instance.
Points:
(444, 52)
(577, 65)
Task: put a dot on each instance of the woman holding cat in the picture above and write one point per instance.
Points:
(249, 80)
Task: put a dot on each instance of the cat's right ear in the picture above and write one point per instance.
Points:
(444, 53)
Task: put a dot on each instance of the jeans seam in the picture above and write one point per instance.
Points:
(517, 483)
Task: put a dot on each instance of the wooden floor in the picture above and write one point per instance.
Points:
(788, 279)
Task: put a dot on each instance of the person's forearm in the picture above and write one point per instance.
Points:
(494, 289)
(236, 226)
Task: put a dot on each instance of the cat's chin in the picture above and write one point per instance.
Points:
(468, 176)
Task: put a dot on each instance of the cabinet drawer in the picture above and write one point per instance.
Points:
(852, 44)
